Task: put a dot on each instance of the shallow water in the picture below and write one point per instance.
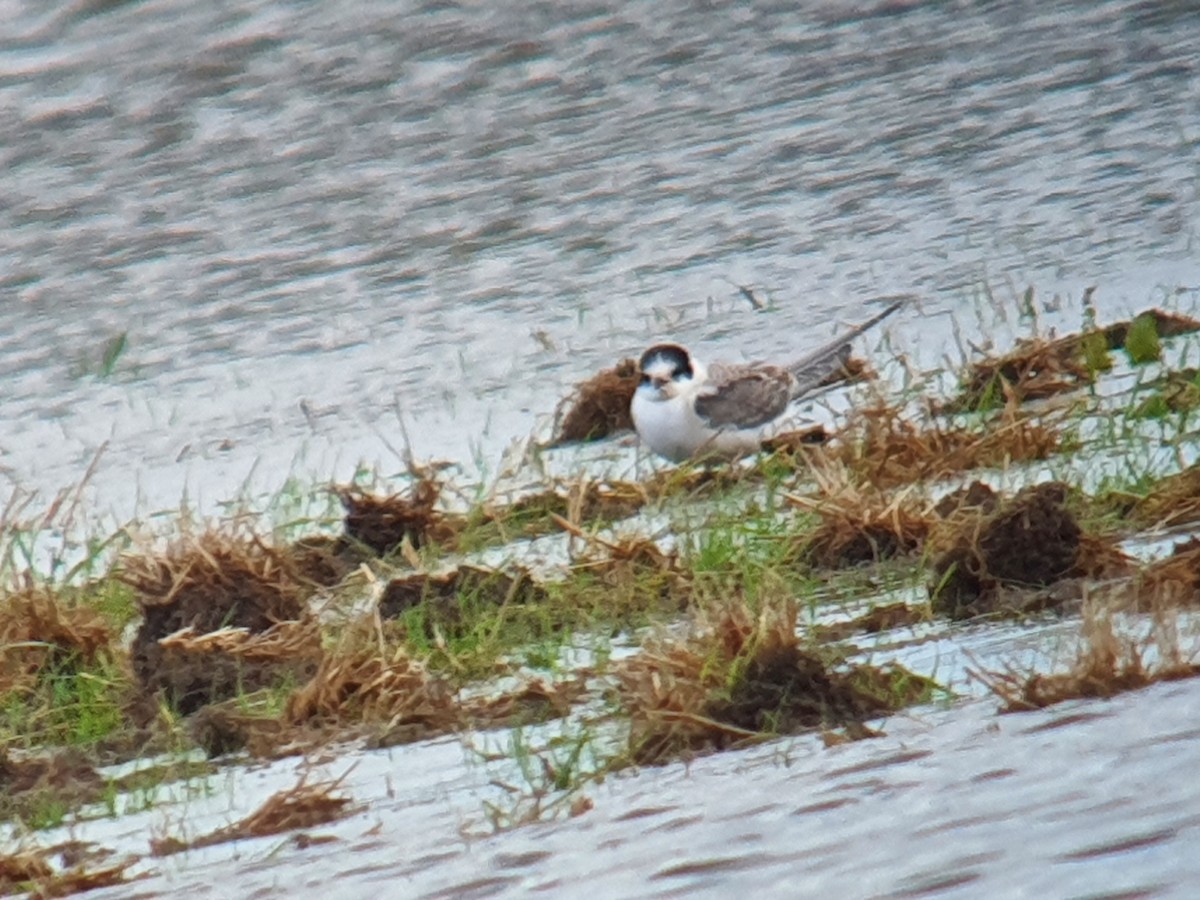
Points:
(453, 212)
(1084, 799)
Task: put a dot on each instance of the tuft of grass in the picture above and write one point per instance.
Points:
(551, 779)
(301, 806)
(1109, 661)
(1141, 341)
(741, 677)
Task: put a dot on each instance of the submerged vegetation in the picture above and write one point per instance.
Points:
(732, 619)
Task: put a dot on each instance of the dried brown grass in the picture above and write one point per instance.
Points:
(1172, 501)
(535, 701)
(40, 632)
(882, 445)
(363, 684)
(881, 617)
(1108, 663)
(64, 776)
(578, 501)
(29, 872)
(302, 806)
(599, 406)
(1039, 367)
(209, 583)
(1171, 582)
(860, 523)
(739, 677)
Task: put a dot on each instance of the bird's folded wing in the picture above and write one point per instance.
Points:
(744, 396)
(812, 368)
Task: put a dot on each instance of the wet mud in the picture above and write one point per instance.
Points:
(599, 407)
(206, 585)
(740, 677)
(997, 560)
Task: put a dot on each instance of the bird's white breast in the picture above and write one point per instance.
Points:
(672, 429)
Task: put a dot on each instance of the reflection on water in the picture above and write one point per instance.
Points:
(374, 210)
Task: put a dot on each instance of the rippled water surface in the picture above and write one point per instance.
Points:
(453, 212)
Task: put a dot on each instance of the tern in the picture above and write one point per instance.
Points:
(683, 409)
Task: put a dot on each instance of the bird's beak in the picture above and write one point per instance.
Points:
(660, 382)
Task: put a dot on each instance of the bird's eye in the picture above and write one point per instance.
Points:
(645, 378)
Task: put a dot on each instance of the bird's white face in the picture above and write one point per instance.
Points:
(667, 372)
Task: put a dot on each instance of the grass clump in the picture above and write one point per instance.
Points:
(215, 582)
(742, 676)
(882, 444)
(859, 524)
(31, 872)
(302, 806)
(370, 684)
(996, 560)
(1038, 368)
(1108, 662)
(599, 406)
(63, 678)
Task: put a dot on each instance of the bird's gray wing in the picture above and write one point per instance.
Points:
(744, 396)
(812, 368)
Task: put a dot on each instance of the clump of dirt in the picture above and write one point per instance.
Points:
(860, 525)
(1174, 500)
(795, 443)
(975, 497)
(886, 446)
(1039, 368)
(1107, 663)
(64, 778)
(448, 596)
(1032, 541)
(40, 633)
(599, 406)
(382, 524)
(882, 617)
(742, 676)
(303, 806)
(535, 701)
(578, 501)
(217, 582)
(1173, 581)
(366, 685)
(325, 561)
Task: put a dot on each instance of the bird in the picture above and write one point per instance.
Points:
(683, 409)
